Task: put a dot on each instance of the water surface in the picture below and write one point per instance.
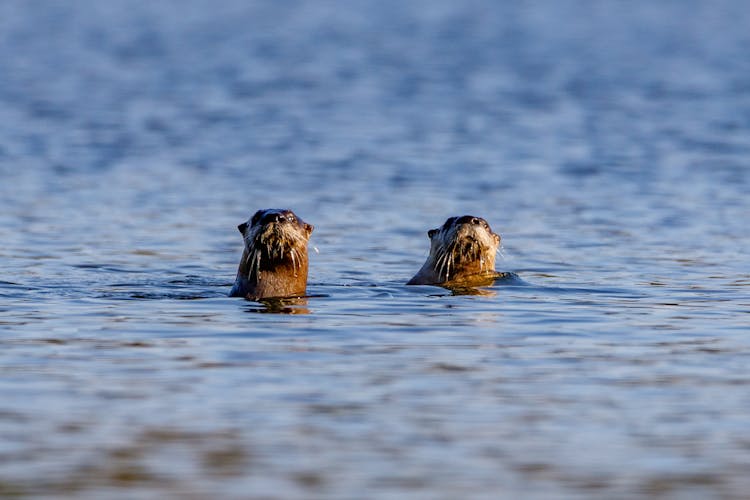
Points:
(607, 143)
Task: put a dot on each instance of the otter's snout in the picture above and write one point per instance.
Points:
(475, 228)
(468, 219)
(276, 217)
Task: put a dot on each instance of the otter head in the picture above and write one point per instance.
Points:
(462, 248)
(274, 262)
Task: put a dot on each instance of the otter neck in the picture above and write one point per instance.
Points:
(463, 267)
(264, 276)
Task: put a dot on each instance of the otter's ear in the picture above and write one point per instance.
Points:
(309, 228)
(242, 227)
(432, 232)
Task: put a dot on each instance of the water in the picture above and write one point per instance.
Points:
(607, 142)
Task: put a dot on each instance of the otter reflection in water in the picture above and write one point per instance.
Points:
(462, 255)
(288, 305)
(274, 261)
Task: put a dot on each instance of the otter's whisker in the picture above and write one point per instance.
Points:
(443, 269)
(451, 261)
(442, 263)
(249, 263)
(293, 254)
(501, 251)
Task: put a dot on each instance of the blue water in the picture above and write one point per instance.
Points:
(607, 142)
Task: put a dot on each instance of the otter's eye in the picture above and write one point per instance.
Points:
(291, 218)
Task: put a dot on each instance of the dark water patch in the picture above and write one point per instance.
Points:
(451, 368)
(280, 306)
(615, 293)
(111, 269)
(156, 296)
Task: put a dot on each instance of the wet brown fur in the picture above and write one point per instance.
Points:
(274, 262)
(462, 253)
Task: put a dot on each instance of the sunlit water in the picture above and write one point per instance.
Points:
(607, 142)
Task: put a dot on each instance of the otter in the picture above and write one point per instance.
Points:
(274, 262)
(462, 254)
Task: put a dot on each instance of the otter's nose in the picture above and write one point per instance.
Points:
(273, 217)
(469, 219)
